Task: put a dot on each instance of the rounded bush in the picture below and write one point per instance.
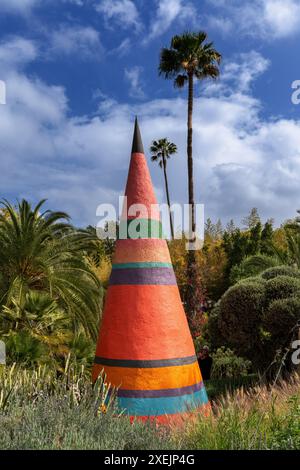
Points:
(281, 317)
(281, 287)
(271, 273)
(257, 314)
(212, 332)
(240, 314)
(253, 280)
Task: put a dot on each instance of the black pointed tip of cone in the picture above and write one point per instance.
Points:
(137, 144)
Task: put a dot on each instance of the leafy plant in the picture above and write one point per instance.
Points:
(252, 266)
(42, 261)
(227, 364)
(258, 317)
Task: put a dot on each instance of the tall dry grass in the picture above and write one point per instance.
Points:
(263, 417)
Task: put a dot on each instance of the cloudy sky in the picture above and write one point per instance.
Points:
(77, 72)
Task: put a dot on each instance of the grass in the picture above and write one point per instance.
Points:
(217, 387)
(260, 418)
(41, 411)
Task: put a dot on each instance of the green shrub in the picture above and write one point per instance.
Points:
(256, 315)
(281, 287)
(23, 348)
(281, 271)
(212, 333)
(240, 315)
(251, 266)
(281, 317)
(227, 364)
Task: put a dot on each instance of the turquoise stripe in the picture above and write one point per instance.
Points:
(162, 405)
(141, 265)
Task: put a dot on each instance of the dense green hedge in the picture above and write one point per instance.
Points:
(281, 287)
(280, 271)
(282, 316)
(258, 316)
(240, 314)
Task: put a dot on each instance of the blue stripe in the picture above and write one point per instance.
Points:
(166, 392)
(164, 405)
(143, 276)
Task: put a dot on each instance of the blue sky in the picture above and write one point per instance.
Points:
(77, 71)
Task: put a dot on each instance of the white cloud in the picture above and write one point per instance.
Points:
(122, 12)
(239, 73)
(221, 24)
(167, 12)
(16, 52)
(82, 41)
(283, 18)
(122, 49)
(133, 76)
(79, 3)
(18, 6)
(270, 19)
(245, 70)
(241, 160)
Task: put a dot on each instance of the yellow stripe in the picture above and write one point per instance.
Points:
(150, 379)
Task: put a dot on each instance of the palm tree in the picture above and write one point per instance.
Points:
(189, 58)
(161, 151)
(39, 331)
(42, 253)
(292, 235)
(293, 246)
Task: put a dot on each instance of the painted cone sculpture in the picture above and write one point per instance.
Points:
(145, 347)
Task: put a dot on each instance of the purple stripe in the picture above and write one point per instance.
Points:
(169, 392)
(143, 276)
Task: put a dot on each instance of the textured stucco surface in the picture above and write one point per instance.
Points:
(144, 321)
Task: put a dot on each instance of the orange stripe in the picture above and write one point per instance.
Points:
(141, 250)
(145, 323)
(150, 379)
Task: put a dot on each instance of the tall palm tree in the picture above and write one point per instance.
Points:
(190, 58)
(161, 151)
(42, 252)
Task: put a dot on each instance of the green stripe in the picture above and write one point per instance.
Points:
(140, 228)
(141, 265)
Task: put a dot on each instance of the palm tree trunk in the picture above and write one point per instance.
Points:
(190, 157)
(193, 294)
(168, 195)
